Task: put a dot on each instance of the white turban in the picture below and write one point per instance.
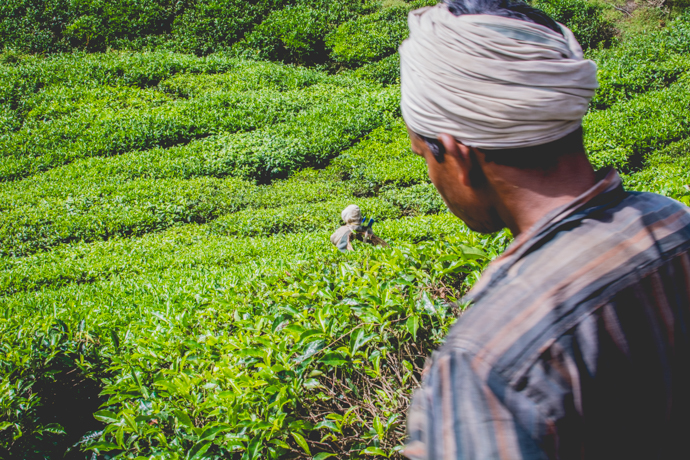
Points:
(352, 215)
(492, 82)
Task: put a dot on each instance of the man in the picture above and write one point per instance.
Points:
(576, 341)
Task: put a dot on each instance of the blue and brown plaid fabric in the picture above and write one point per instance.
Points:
(576, 344)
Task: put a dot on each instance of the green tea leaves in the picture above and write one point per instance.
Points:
(299, 439)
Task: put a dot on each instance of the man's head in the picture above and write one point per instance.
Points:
(473, 181)
(493, 92)
(515, 9)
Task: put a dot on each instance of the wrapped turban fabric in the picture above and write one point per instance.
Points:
(492, 82)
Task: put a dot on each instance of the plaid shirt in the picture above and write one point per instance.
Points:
(577, 343)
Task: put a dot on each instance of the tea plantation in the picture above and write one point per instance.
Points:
(170, 174)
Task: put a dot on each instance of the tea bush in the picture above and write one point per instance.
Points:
(94, 131)
(209, 26)
(369, 38)
(295, 34)
(273, 367)
(116, 210)
(308, 32)
(642, 63)
(197, 26)
(585, 19)
(665, 172)
(310, 139)
(192, 249)
(418, 199)
(384, 158)
(630, 130)
(386, 71)
(123, 334)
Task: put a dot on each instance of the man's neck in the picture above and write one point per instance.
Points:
(523, 196)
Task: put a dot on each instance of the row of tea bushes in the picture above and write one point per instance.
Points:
(25, 75)
(309, 140)
(63, 124)
(666, 172)
(644, 62)
(134, 208)
(96, 131)
(95, 200)
(84, 262)
(187, 249)
(384, 159)
(623, 135)
(307, 32)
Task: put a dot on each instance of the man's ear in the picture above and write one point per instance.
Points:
(460, 154)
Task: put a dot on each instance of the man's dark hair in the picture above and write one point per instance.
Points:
(515, 9)
(543, 157)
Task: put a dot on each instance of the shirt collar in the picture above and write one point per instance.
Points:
(608, 188)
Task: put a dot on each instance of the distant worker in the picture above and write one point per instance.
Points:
(355, 228)
(577, 340)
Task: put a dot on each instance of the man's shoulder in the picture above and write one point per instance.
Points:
(649, 202)
(645, 218)
(571, 271)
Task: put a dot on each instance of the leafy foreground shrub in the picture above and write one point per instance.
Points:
(314, 360)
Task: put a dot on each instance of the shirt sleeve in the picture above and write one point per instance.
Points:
(456, 415)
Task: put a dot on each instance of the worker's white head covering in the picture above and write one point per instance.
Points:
(492, 82)
(352, 215)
